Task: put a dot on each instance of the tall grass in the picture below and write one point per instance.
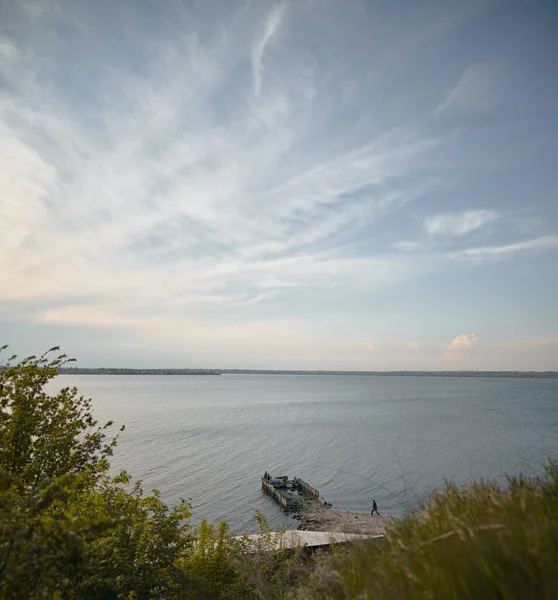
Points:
(483, 540)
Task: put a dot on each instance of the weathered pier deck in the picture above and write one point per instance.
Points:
(292, 538)
(289, 493)
(282, 491)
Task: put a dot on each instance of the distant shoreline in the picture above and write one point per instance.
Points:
(126, 371)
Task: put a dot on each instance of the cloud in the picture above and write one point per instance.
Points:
(273, 341)
(464, 341)
(414, 346)
(7, 49)
(271, 26)
(541, 244)
(374, 346)
(458, 224)
(408, 246)
(476, 89)
(214, 168)
(38, 8)
(165, 204)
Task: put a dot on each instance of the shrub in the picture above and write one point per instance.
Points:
(67, 529)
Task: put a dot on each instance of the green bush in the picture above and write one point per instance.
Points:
(232, 567)
(67, 529)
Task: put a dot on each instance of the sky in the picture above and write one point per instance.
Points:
(306, 184)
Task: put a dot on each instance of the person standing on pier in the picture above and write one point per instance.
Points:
(374, 508)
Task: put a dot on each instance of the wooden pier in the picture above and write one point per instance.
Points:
(289, 493)
(285, 494)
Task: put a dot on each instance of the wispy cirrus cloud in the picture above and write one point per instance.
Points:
(162, 185)
(458, 223)
(226, 168)
(476, 89)
(541, 244)
(269, 30)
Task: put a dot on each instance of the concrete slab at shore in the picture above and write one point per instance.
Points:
(293, 538)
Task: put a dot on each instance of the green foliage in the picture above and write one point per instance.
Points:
(481, 541)
(272, 570)
(243, 567)
(86, 537)
(212, 561)
(46, 436)
(67, 529)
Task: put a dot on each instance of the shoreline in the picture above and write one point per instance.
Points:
(315, 516)
(210, 371)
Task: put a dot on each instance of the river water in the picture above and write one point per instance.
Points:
(392, 438)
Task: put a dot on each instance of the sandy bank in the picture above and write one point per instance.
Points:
(315, 517)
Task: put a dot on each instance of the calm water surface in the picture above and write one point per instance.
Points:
(355, 438)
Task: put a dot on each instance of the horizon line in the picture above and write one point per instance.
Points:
(315, 371)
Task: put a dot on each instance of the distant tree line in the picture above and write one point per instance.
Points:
(121, 371)
(125, 371)
(516, 374)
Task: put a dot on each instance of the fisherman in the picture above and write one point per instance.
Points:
(374, 508)
(266, 476)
